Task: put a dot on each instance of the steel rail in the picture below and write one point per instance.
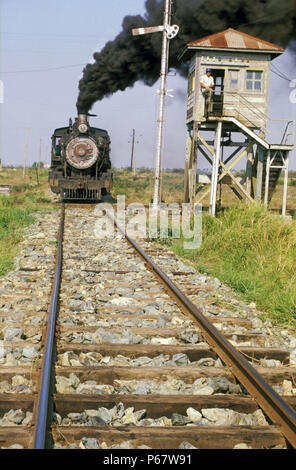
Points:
(275, 407)
(44, 396)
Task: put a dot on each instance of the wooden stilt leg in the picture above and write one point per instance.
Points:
(250, 162)
(267, 179)
(187, 167)
(190, 166)
(259, 174)
(215, 169)
(193, 174)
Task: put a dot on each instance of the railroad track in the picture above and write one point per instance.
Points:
(129, 361)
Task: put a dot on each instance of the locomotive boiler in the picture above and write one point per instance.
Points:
(80, 161)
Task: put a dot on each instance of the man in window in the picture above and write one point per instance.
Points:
(207, 88)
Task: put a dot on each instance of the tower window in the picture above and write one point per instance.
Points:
(254, 80)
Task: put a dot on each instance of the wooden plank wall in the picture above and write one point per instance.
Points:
(232, 103)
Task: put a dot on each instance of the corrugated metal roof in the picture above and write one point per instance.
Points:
(232, 39)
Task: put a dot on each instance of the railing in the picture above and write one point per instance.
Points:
(289, 135)
(275, 131)
(241, 102)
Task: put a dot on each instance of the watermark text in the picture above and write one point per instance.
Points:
(137, 221)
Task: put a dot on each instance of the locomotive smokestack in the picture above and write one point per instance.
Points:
(82, 123)
(82, 119)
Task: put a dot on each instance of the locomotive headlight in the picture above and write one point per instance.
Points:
(82, 128)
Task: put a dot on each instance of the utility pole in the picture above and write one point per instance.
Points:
(133, 163)
(40, 151)
(169, 32)
(28, 129)
(133, 155)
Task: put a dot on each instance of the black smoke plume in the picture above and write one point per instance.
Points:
(128, 59)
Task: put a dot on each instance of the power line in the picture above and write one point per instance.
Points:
(263, 18)
(52, 39)
(55, 53)
(52, 35)
(281, 73)
(46, 70)
(281, 76)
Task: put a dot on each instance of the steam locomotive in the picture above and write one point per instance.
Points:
(80, 161)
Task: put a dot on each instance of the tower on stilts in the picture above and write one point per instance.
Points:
(232, 124)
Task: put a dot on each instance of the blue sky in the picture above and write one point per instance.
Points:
(62, 35)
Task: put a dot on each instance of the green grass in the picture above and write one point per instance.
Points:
(141, 188)
(255, 253)
(19, 188)
(17, 211)
(12, 220)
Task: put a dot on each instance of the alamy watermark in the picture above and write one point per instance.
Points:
(169, 221)
(293, 92)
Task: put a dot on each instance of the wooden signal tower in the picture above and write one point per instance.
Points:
(233, 123)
